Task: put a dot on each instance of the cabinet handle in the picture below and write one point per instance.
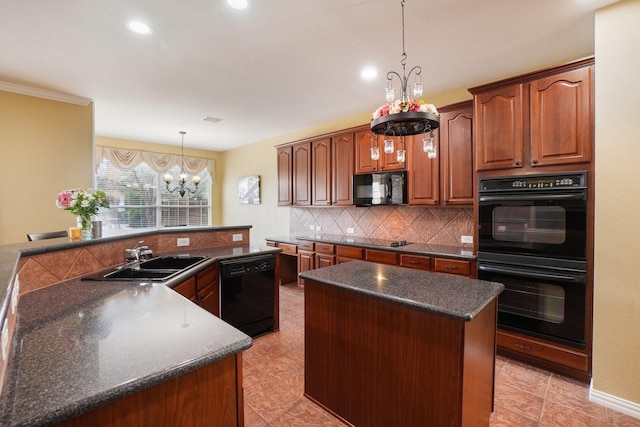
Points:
(523, 347)
(534, 161)
(518, 162)
(451, 267)
(413, 262)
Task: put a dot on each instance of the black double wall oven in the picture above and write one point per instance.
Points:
(532, 237)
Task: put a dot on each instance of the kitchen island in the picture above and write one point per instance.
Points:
(387, 345)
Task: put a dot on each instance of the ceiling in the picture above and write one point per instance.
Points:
(277, 67)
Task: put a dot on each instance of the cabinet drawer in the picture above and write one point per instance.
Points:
(415, 261)
(453, 266)
(325, 248)
(288, 248)
(543, 350)
(350, 252)
(381, 257)
(305, 246)
(272, 244)
(207, 277)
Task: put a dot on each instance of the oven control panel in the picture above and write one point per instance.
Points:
(535, 182)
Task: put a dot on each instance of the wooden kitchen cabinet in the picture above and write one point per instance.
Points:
(365, 140)
(382, 257)
(321, 172)
(423, 175)
(285, 176)
(203, 289)
(562, 117)
(302, 174)
(187, 289)
(456, 154)
(343, 167)
(415, 261)
(348, 253)
(306, 258)
(325, 255)
(208, 290)
(452, 266)
(539, 119)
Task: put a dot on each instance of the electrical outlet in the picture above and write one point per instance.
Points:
(182, 241)
(237, 237)
(350, 230)
(318, 228)
(4, 339)
(312, 227)
(466, 239)
(14, 295)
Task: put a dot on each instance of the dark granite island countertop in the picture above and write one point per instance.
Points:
(448, 295)
(387, 345)
(79, 345)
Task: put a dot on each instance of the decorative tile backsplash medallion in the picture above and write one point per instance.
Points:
(436, 226)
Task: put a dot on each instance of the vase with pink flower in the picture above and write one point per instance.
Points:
(84, 204)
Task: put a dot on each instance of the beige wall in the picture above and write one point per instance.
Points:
(216, 193)
(616, 362)
(45, 147)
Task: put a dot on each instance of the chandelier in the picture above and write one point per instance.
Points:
(182, 188)
(404, 116)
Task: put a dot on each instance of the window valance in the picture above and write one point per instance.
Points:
(160, 162)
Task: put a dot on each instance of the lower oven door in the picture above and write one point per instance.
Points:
(547, 303)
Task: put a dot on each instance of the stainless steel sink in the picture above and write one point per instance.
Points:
(172, 262)
(157, 269)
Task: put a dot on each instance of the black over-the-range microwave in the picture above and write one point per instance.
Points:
(384, 188)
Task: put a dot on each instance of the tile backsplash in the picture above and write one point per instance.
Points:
(436, 226)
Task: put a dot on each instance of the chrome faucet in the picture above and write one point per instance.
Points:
(137, 253)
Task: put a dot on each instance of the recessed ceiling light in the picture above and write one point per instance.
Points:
(139, 27)
(369, 73)
(238, 4)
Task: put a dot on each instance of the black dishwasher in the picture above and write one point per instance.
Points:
(247, 292)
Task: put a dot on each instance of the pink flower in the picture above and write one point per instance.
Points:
(64, 199)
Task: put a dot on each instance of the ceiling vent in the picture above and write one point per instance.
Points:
(211, 119)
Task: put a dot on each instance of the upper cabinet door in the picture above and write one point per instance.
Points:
(456, 148)
(285, 176)
(498, 115)
(343, 168)
(364, 142)
(321, 167)
(423, 186)
(561, 118)
(302, 174)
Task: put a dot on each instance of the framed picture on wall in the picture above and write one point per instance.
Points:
(249, 190)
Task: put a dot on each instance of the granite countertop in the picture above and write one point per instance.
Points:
(414, 248)
(449, 295)
(79, 344)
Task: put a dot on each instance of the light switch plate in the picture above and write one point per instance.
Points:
(182, 241)
(237, 237)
(466, 239)
(350, 230)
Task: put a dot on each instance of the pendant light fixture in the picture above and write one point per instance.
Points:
(182, 188)
(404, 116)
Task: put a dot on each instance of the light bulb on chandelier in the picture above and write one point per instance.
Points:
(182, 188)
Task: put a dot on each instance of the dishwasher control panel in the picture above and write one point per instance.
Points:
(247, 265)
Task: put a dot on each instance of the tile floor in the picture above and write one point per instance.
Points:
(525, 396)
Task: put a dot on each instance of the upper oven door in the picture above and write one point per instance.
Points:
(541, 223)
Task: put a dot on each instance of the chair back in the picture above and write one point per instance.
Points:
(49, 235)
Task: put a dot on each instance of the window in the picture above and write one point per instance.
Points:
(139, 198)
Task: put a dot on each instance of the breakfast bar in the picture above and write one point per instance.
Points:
(387, 345)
